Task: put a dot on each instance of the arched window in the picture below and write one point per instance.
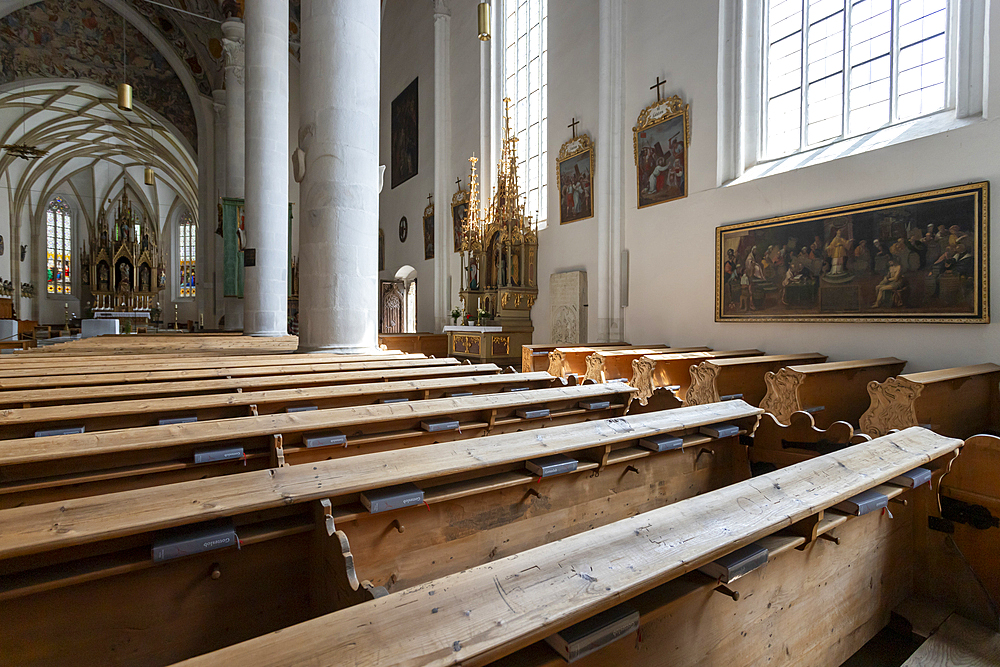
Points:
(186, 254)
(524, 62)
(58, 247)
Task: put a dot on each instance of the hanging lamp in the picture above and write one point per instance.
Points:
(124, 90)
(149, 176)
(484, 21)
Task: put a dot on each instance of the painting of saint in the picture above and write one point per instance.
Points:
(429, 236)
(576, 187)
(404, 135)
(918, 257)
(661, 171)
(458, 214)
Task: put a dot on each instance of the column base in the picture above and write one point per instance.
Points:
(268, 334)
(340, 349)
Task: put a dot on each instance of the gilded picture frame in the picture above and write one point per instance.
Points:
(575, 179)
(429, 232)
(459, 211)
(918, 258)
(660, 141)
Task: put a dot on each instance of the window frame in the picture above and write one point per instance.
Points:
(175, 268)
(73, 263)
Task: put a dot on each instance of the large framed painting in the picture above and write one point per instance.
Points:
(459, 211)
(429, 232)
(575, 179)
(920, 257)
(660, 140)
(403, 135)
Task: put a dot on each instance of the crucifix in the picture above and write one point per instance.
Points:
(458, 181)
(429, 197)
(573, 126)
(657, 87)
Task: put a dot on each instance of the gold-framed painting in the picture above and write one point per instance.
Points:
(660, 140)
(575, 179)
(459, 211)
(429, 232)
(921, 258)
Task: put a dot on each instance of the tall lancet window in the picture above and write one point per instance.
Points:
(186, 248)
(525, 82)
(58, 247)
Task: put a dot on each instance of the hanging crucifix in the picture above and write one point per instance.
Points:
(573, 126)
(657, 86)
(458, 182)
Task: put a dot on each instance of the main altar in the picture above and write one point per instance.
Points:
(124, 266)
(499, 249)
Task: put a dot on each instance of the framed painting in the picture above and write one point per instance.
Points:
(575, 179)
(429, 232)
(459, 211)
(381, 250)
(660, 140)
(403, 135)
(921, 257)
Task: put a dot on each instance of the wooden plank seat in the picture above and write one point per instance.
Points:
(127, 364)
(605, 365)
(492, 610)
(43, 469)
(215, 343)
(565, 361)
(717, 379)
(431, 344)
(672, 370)
(107, 415)
(92, 379)
(777, 444)
(73, 395)
(958, 402)
(536, 357)
(833, 391)
(103, 550)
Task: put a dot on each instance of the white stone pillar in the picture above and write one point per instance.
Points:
(219, 105)
(233, 45)
(338, 230)
(611, 75)
(442, 162)
(265, 302)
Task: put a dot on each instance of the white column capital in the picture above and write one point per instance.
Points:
(441, 10)
(234, 47)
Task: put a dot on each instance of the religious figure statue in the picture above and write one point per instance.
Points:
(144, 278)
(103, 278)
(125, 276)
(473, 275)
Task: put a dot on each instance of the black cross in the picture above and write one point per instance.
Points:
(429, 197)
(656, 86)
(458, 181)
(573, 126)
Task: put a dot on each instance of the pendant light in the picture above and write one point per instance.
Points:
(124, 90)
(150, 177)
(484, 21)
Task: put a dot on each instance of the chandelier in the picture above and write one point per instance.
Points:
(24, 151)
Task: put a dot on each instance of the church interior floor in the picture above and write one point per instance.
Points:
(889, 648)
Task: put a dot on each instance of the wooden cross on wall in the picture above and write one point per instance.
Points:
(656, 86)
(429, 197)
(458, 181)
(573, 126)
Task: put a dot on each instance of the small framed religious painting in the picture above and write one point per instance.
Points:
(459, 211)
(429, 232)
(575, 179)
(660, 140)
(921, 257)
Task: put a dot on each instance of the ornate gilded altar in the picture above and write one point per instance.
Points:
(124, 267)
(499, 249)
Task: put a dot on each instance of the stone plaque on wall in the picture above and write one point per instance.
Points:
(568, 307)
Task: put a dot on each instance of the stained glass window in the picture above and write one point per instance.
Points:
(186, 249)
(58, 247)
(525, 82)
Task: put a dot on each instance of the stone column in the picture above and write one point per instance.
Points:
(233, 31)
(338, 232)
(442, 163)
(265, 300)
(216, 246)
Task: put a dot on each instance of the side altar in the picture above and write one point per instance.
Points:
(499, 247)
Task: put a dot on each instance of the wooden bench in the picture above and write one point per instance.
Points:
(72, 395)
(536, 357)
(496, 609)
(672, 370)
(958, 641)
(777, 444)
(958, 402)
(565, 361)
(431, 344)
(503, 508)
(44, 469)
(123, 377)
(227, 343)
(103, 416)
(714, 379)
(834, 391)
(605, 365)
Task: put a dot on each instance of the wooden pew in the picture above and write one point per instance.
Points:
(605, 365)
(73, 395)
(129, 364)
(75, 603)
(490, 611)
(431, 344)
(44, 469)
(957, 402)
(122, 377)
(215, 343)
(834, 391)
(714, 379)
(536, 357)
(671, 370)
(777, 444)
(107, 415)
(566, 361)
